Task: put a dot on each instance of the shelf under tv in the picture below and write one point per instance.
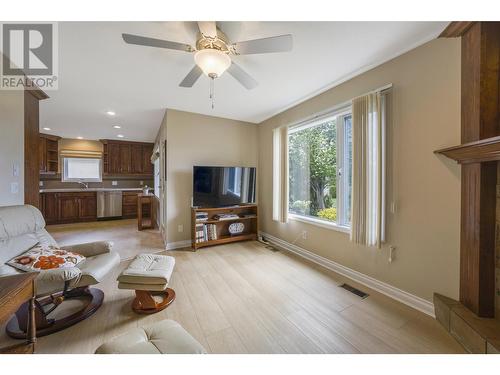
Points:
(222, 226)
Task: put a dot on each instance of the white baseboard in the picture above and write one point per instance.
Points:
(178, 245)
(384, 288)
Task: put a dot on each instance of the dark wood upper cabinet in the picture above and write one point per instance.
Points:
(114, 158)
(137, 159)
(48, 154)
(127, 158)
(147, 152)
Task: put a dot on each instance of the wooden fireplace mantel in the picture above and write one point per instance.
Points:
(478, 155)
(484, 150)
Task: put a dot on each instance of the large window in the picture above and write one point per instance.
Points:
(82, 169)
(320, 176)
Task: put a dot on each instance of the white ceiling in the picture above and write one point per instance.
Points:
(99, 72)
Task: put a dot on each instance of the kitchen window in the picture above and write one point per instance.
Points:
(82, 169)
(320, 171)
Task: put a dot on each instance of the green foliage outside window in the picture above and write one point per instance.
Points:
(328, 214)
(313, 168)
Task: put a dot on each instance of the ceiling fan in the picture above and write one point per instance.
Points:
(213, 51)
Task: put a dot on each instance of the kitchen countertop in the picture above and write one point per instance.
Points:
(81, 190)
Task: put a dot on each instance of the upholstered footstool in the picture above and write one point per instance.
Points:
(165, 337)
(148, 275)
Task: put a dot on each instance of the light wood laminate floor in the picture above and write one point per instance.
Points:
(245, 298)
(127, 240)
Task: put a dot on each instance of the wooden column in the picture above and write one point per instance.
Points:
(31, 144)
(480, 120)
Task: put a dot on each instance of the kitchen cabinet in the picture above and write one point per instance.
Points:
(113, 154)
(71, 207)
(125, 158)
(48, 154)
(49, 208)
(87, 206)
(147, 152)
(137, 159)
(67, 206)
(129, 205)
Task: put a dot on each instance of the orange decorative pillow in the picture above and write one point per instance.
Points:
(40, 259)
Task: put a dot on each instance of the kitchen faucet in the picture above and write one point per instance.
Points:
(85, 185)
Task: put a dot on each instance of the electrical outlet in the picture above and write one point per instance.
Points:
(180, 228)
(14, 188)
(114, 183)
(141, 183)
(304, 234)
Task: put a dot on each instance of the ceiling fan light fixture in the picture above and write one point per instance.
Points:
(212, 62)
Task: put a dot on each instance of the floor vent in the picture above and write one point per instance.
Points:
(355, 291)
(268, 245)
(273, 249)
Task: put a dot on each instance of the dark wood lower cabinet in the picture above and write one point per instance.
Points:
(67, 207)
(129, 205)
(87, 207)
(49, 207)
(60, 208)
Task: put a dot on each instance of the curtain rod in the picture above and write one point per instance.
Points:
(380, 89)
(336, 108)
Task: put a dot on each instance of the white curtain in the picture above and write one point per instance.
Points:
(368, 164)
(280, 174)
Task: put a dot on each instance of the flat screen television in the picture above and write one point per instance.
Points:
(223, 186)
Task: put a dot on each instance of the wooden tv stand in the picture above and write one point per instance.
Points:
(222, 226)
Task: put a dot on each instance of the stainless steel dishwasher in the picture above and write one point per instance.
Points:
(109, 204)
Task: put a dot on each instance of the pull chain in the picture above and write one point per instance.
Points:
(212, 91)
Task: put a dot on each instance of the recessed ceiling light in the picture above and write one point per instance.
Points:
(47, 129)
(79, 137)
(120, 136)
(110, 113)
(117, 126)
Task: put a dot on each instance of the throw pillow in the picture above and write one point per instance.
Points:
(40, 258)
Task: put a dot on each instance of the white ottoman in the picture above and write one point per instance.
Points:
(165, 337)
(148, 275)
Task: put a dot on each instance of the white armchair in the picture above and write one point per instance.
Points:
(22, 227)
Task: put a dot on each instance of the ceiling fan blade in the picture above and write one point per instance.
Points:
(281, 43)
(191, 77)
(242, 77)
(208, 28)
(159, 43)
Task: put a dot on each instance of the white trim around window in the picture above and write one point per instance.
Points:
(89, 170)
(342, 116)
(320, 223)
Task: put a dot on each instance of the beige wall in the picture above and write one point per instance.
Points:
(425, 116)
(11, 145)
(160, 145)
(194, 139)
